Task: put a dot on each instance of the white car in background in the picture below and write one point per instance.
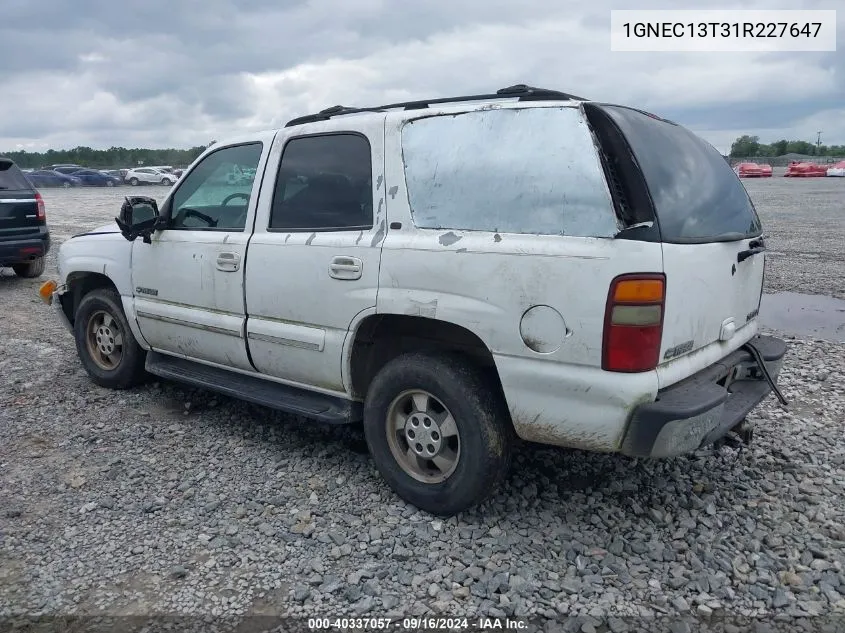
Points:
(837, 170)
(150, 176)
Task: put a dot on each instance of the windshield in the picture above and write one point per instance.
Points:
(696, 194)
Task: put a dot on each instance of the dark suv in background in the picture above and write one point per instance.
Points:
(24, 237)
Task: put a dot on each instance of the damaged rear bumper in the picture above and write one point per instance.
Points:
(704, 407)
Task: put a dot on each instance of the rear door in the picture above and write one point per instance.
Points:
(313, 262)
(710, 235)
(18, 206)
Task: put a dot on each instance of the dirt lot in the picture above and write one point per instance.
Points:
(163, 500)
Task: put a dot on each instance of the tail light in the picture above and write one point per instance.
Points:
(633, 323)
(41, 212)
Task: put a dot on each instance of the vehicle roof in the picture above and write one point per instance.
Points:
(517, 96)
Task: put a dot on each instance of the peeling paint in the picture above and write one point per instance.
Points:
(422, 308)
(380, 204)
(379, 180)
(360, 237)
(379, 234)
(447, 239)
(310, 239)
(461, 250)
(392, 191)
(226, 238)
(497, 238)
(287, 238)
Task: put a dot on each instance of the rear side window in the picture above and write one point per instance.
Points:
(324, 184)
(11, 177)
(533, 170)
(697, 196)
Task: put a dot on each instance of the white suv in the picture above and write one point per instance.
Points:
(149, 176)
(455, 273)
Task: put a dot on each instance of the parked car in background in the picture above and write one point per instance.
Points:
(49, 178)
(95, 178)
(837, 169)
(24, 237)
(753, 170)
(115, 173)
(66, 168)
(149, 176)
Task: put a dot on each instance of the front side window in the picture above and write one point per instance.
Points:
(324, 184)
(215, 195)
(532, 170)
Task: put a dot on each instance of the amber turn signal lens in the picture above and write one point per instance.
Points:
(638, 291)
(46, 291)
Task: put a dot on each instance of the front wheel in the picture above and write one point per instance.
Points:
(133, 182)
(105, 344)
(438, 432)
(30, 269)
(66, 184)
(109, 183)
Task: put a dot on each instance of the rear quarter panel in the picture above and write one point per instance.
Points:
(536, 301)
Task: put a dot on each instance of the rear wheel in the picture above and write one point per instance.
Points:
(30, 269)
(66, 184)
(105, 344)
(109, 183)
(438, 432)
(133, 182)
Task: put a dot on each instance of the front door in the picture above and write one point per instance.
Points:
(314, 256)
(189, 282)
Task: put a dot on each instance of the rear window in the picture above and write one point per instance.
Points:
(11, 177)
(533, 170)
(696, 194)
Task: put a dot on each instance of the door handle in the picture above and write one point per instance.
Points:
(345, 268)
(228, 262)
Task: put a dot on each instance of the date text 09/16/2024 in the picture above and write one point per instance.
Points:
(416, 624)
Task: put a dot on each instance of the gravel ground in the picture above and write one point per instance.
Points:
(162, 500)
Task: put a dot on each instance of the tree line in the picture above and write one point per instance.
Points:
(749, 146)
(112, 158)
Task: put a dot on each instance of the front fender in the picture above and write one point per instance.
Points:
(104, 254)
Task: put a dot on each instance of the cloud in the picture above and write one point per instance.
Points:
(162, 73)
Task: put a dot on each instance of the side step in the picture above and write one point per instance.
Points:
(309, 404)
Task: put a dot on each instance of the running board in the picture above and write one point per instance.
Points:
(309, 404)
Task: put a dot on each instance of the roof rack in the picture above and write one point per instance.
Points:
(519, 91)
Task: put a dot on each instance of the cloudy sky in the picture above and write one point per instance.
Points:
(178, 73)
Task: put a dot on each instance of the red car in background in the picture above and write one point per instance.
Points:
(805, 170)
(753, 170)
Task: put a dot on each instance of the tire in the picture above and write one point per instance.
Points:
(100, 313)
(133, 182)
(30, 269)
(109, 183)
(480, 417)
(66, 185)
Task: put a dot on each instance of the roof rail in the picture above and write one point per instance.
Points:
(519, 91)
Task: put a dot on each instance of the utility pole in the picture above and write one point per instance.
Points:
(818, 141)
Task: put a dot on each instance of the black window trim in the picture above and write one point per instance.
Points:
(168, 209)
(345, 229)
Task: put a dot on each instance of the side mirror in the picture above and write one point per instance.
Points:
(138, 217)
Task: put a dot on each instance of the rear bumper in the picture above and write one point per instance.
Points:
(704, 407)
(23, 250)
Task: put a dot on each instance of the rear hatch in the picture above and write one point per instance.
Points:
(18, 203)
(710, 235)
